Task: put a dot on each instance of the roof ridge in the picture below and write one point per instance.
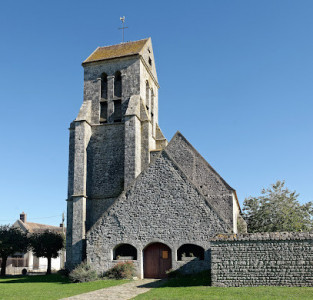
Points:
(123, 43)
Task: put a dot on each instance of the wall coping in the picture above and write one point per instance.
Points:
(263, 236)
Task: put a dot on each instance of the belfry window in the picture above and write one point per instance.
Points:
(125, 252)
(103, 112)
(117, 115)
(104, 86)
(118, 84)
(189, 252)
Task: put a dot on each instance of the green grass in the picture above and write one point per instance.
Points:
(48, 287)
(197, 287)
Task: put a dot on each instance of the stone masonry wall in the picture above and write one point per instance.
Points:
(105, 166)
(212, 186)
(284, 259)
(161, 206)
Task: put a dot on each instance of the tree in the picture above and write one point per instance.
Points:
(277, 209)
(47, 244)
(12, 240)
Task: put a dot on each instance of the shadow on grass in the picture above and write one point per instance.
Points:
(35, 278)
(198, 279)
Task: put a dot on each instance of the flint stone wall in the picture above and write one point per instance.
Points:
(279, 258)
(162, 206)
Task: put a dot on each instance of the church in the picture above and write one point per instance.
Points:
(132, 195)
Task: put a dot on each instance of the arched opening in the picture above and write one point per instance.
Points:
(104, 86)
(125, 252)
(157, 260)
(118, 84)
(189, 252)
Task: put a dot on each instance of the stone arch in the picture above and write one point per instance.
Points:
(190, 252)
(124, 251)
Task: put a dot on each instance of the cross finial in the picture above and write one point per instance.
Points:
(123, 21)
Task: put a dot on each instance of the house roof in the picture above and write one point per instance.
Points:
(38, 228)
(115, 51)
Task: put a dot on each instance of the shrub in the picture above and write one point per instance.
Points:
(83, 273)
(122, 270)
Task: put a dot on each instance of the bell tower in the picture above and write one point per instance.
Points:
(113, 137)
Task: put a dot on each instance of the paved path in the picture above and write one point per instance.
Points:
(119, 292)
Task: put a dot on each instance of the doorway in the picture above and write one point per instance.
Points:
(157, 259)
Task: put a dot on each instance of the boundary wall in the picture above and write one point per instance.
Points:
(253, 259)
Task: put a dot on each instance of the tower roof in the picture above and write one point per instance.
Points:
(115, 51)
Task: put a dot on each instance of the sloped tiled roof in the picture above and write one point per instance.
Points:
(114, 51)
(38, 228)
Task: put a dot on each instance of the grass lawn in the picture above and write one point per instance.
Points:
(48, 287)
(197, 287)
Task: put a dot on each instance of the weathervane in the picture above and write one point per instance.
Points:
(123, 20)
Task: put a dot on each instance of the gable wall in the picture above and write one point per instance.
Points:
(161, 206)
(204, 177)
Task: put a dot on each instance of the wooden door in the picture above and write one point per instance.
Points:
(157, 259)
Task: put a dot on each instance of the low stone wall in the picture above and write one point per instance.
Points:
(282, 259)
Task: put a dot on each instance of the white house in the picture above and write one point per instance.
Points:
(30, 261)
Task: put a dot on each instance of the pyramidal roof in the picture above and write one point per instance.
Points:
(115, 51)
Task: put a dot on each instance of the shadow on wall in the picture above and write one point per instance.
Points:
(187, 264)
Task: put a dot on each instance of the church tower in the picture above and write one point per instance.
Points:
(112, 138)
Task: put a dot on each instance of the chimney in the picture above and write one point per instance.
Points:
(23, 217)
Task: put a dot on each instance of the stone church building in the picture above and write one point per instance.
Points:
(131, 194)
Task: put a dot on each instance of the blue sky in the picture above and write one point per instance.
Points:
(236, 80)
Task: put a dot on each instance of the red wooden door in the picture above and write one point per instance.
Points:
(157, 259)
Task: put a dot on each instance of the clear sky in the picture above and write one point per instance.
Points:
(236, 80)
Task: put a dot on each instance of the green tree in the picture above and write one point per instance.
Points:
(277, 209)
(47, 244)
(12, 240)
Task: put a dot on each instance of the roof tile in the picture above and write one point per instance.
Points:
(114, 51)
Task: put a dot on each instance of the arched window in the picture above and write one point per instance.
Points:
(189, 252)
(125, 252)
(104, 86)
(118, 84)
